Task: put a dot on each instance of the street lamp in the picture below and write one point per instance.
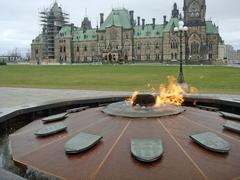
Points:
(181, 29)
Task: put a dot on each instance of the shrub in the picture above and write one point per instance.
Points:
(3, 63)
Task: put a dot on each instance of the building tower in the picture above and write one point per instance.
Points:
(196, 41)
(52, 21)
(175, 11)
(86, 24)
(194, 12)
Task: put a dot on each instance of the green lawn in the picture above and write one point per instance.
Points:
(119, 77)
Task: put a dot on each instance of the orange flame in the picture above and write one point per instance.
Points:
(171, 94)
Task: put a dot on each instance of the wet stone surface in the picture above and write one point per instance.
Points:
(125, 109)
(211, 142)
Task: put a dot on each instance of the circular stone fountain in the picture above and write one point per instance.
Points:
(143, 106)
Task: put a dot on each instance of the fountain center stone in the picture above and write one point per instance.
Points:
(143, 106)
(144, 100)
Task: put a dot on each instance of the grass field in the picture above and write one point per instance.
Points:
(119, 77)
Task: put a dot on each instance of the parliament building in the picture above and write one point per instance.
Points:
(122, 38)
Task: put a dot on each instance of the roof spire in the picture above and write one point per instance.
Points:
(175, 11)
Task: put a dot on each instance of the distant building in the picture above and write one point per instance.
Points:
(238, 54)
(121, 38)
(230, 52)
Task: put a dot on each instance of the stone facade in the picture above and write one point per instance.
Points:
(122, 39)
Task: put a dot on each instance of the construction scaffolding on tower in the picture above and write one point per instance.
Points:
(52, 20)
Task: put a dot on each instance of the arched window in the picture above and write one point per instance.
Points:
(174, 44)
(64, 49)
(194, 9)
(172, 56)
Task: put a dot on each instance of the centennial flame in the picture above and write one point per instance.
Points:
(173, 93)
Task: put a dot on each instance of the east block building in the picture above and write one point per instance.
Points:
(122, 38)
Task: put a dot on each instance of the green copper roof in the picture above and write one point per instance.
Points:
(148, 31)
(119, 18)
(38, 39)
(65, 32)
(88, 35)
(211, 28)
(171, 24)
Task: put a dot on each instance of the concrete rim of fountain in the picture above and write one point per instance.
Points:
(125, 109)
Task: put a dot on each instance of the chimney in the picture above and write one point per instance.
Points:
(143, 23)
(154, 22)
(101, 18)
(138, 18)
(72, 27)
(131, 13)
(164, 19)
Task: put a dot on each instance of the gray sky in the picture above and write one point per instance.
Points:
(19, 20)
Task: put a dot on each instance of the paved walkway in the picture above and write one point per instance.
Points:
(12, 97)
(17, 98)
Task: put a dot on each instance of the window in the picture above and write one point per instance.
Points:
(175, 55)
(194, 9)
(210, 56)
(174, 44)
(148, 57)
(85, 48)
(148, 45)
(139, 57)
(36, 51)
(210, 47)
(64, 49)
(195, 48)
(139, 46)
(172, 56)
(60, 48)
(78, 49)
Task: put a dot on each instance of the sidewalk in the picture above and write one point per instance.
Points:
(17, 98)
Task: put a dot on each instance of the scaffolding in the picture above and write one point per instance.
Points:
(52, 20)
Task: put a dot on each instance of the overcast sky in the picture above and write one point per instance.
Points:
(19, 19)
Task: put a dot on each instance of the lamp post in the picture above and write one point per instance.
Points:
(181, 29)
